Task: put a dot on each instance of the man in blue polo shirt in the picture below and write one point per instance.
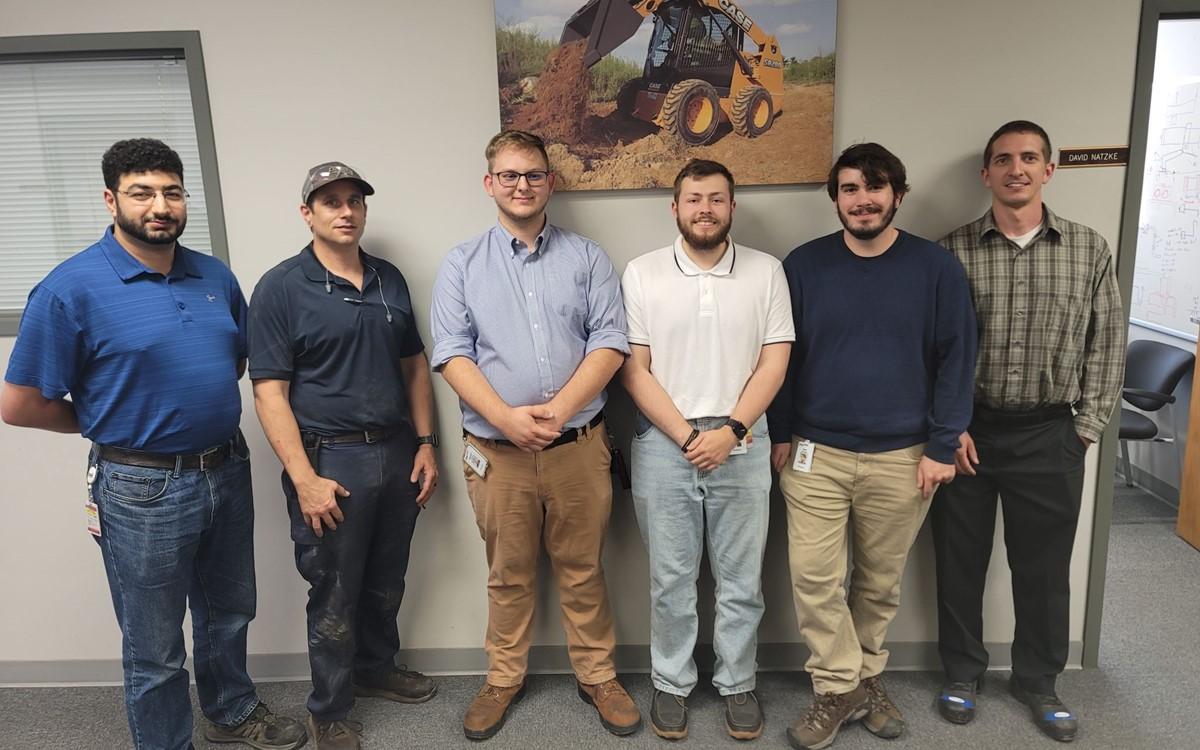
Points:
(343, 390)
(169, 497)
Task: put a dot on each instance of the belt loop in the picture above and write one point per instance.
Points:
(178, 466)
(367, 438)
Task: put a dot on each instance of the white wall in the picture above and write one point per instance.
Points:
(406, 92)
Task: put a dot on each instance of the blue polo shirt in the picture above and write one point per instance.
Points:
(150, 361)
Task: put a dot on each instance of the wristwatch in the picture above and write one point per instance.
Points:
(739, 429)
(428, 440)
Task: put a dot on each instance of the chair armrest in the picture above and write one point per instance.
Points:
(1161, 398)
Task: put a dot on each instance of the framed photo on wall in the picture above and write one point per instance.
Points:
(625, 91)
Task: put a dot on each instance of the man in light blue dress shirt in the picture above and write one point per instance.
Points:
(528, 328)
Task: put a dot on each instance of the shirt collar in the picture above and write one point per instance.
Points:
(315, 271)
(988, 223)
(129, 267)
(511, 242)
(724, 266)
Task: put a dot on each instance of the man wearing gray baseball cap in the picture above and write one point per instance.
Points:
(343, 391)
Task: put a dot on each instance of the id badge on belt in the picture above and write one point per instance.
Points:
(475, 459)
(90, 509)
(804, 456)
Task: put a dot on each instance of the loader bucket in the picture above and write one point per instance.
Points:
(606, 24)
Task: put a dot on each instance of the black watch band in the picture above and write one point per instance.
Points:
(428, 440)
(739, 429)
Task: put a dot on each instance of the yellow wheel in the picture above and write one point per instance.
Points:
(691, 111)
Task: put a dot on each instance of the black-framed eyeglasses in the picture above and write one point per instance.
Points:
(145, 195)
(509, 178)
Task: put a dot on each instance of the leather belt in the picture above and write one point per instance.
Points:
(312, 439)
(209, 459)
(568, 436)
(1021, 417)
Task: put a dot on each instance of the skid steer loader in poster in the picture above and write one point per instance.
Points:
(696, 68)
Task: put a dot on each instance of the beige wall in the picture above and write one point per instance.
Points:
(406, 91)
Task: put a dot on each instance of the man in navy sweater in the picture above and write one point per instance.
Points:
(864, 430)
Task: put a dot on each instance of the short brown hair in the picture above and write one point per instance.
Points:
(518, 139)
(697, 168)
(1017, 126)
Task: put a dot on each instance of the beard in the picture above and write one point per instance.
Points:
(869, 233)
(704, 242)
(137, 228)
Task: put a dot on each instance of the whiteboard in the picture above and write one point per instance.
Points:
(1166, 277)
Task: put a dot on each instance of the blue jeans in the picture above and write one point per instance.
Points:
(356, 571)
(678, 508)
(173, 539)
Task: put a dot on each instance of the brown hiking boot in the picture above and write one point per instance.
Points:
(343, 734)
(488, 711)
(400, 684)
(883, 719)
(618, 713)
(819, 725)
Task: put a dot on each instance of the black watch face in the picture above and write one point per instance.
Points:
(739, 431)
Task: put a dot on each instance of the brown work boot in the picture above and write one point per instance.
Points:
(618, 713)
(819, 725)
(883, 719)
(488, 711)
(334, 735)
(399, 684)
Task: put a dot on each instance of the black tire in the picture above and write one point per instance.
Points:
(692, 111)
(627, 95)
(753, 112)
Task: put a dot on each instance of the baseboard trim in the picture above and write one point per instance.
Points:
(1153, 485)
(772, 657)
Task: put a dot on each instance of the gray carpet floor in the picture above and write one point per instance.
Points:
(1144, 695)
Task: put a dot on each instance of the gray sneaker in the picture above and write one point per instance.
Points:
(343, 734)
(743, 716)
(261, 729)
(402, 685)
(668, 715)
(819, 725)
(883, 719)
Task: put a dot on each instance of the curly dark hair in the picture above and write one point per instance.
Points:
(138, 155)
(878, 166)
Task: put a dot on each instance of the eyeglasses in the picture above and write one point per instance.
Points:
(536, 178)
(142, 195)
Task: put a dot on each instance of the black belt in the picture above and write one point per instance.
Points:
(568, 436)
(1021, 416)
(312, 439)
(209, 459)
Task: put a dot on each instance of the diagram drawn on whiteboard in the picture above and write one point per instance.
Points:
(1166, 281)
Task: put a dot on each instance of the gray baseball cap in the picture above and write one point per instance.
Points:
(331, 171)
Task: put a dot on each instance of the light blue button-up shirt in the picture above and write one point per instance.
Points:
(526, 319)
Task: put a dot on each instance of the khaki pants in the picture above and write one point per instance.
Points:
(562, 495)
(872, 498)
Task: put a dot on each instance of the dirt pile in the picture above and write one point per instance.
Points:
(561, 107)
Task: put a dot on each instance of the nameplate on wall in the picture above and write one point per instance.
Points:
(1093, 156)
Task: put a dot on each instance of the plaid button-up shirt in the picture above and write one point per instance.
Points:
(1051, 324)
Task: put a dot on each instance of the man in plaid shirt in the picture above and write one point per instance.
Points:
(1051, 361)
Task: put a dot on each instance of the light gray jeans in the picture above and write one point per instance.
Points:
(679, 508)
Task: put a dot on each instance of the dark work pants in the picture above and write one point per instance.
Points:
(1035, 465)
(356, 572)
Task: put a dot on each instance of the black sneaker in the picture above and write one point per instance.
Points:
(261, 729)
(1049, 714)
(956, 703)
(743, 716)
(668, 715)
(401, 685)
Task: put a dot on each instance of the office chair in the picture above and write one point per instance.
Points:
(1152, 372)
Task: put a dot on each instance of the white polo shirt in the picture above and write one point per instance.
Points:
(705, 329)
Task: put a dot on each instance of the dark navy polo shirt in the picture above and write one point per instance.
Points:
(334, 344)
(150, 361)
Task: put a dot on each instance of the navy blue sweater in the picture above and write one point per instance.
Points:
(885, 348)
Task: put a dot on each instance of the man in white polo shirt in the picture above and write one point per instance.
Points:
(710, 328)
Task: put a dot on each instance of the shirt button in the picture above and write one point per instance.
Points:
(181, 305)
(535, 326)
(543, 359)
(529, 294)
